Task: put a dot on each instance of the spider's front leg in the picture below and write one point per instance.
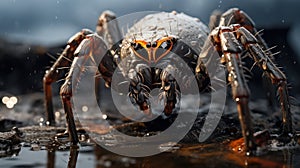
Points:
(169, 88)
(144, 78)
(235, 34)
(88, 48)
(140, 86)
(56, 71)
(225, 39)
(88, 51)
(251, 40)
(275, 74)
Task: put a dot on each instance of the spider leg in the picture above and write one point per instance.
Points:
(235, 34)
(66, 95)
(55, 72)
(232, 41)
(231, 48)
(91, 48)
(237, 16)
(262, 55)
(92, 51)
(201, 72)
(140, 86)
(274, 73)
(108, 28)
(169, 88)
(214, 19)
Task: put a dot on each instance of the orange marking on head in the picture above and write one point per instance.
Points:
(151, 49)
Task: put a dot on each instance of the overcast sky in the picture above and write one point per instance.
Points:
(50, 22)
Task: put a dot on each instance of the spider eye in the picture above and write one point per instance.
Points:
(166, 45)
(148, 45)
(154, 44)
(136, 46)
(152, 51)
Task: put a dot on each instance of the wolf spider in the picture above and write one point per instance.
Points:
(231, 34)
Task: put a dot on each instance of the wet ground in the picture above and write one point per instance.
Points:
(97, 157)
(27, 141)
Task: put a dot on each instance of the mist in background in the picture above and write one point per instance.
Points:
(53, 21)
(50, 23)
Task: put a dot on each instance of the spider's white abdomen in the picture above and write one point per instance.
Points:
(155, 26)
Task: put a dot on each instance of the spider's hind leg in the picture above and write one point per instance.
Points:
(214, 19)
(108, 28)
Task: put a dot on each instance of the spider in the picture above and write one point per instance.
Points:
(231, 34)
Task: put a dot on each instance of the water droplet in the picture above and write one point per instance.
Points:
(197, 19)
(104, 116)
(82, 137)
(57, 114)
(107, 163)
(84, 108)
(193, 43)
(35, 147)
(246, 162)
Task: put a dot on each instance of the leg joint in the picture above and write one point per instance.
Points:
(66, 91)
(239, 92)
(47, 78)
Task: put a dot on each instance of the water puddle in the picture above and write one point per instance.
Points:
(34, 144)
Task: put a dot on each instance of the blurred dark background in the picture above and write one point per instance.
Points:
(32, 30)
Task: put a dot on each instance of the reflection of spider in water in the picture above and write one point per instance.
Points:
(232, 35)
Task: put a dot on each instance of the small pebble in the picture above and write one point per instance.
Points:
(35, 147)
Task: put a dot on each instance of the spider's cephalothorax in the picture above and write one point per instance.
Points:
(155, 49)
(151, 53)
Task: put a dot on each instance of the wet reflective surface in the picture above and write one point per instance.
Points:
(97, 157)
(191, 155)
(34, 144)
